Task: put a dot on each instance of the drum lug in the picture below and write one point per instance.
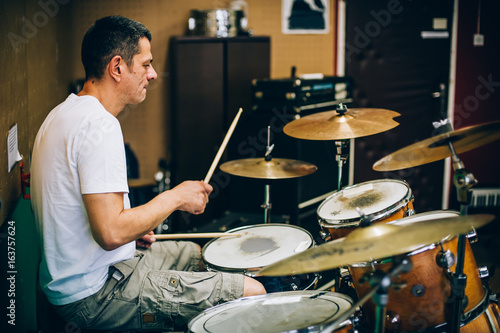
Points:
(483, 272)
(325, 236)
(410, 212)
(472, 236)
(445, 259)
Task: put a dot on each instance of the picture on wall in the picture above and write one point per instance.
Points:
(305, 16)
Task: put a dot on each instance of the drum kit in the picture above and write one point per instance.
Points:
(408, 272)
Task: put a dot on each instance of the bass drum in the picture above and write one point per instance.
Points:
(385, 199)
(294, 311)
(258, 246)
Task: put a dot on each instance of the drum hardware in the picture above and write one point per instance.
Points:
(376, 241)
(383, 199)
(268, 168)
(380, 282)
(383, 241)
(422, 301)
(258, 246)
(445, 259)
(437, 148)
(340, 125)
(267, 191)
(448, 143)
(292, 312)
(463, 182)
(341, 159)
(484, 274)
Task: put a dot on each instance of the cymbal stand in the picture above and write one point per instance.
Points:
(341, 158)
(341, 145)
(380, 282)
(267, 191)
(463, 181)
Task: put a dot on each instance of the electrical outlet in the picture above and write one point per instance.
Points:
(478, 40)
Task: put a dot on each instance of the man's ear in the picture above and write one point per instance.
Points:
(115, 68)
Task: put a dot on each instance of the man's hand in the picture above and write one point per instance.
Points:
(146, 240)
(193, 196)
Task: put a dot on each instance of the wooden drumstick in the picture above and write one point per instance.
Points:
(196, 235)
(222, 147)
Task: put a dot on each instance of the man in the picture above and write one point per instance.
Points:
(90, 269)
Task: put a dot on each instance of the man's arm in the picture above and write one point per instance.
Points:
(112, 225)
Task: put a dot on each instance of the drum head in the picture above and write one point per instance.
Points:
(259, 246)
(272, 313)
(428, 216)
(378, 196)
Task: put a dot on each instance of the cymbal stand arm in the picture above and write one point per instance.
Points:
(341, 158)
(380, 282)
(267, 204)
(463, 181)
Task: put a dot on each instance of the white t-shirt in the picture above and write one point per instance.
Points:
(79, 149)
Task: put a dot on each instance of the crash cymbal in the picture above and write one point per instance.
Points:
(436, 148)
(276, 168)
(374, 242)
(334, 125)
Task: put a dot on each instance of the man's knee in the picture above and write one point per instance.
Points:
(252, 287)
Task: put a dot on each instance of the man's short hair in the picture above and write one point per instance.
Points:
(108, 37)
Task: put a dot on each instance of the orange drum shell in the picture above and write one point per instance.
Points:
(338, 231)
(483, 323)
(414, 313)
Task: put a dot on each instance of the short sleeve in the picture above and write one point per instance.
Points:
(101, 158)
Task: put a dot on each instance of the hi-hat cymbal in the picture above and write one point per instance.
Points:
(332, 125)
(436, 148)
(374, 242)
(276, 168)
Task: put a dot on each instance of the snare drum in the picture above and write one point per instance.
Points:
(386, 199)
(420, 299)
(293, 311)
(259, 246)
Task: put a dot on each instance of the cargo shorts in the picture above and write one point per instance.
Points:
(158, 289)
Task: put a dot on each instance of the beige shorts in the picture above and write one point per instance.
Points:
(157, 289)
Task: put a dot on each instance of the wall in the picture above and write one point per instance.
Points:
(477, 93)
(37, 73)
(33, 81)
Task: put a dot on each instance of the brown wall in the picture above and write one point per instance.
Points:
(36, 75)
(32, 81)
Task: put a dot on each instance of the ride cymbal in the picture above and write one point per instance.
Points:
(335, 125)
(374, 242)
(276, 168)
(437, 147)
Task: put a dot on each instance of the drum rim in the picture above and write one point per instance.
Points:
(256, 298)
(353, 222)
(249, 271)
(470, 315)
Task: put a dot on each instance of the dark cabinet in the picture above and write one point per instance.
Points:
(211, 80)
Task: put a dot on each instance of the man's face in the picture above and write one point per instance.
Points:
(139, 73)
